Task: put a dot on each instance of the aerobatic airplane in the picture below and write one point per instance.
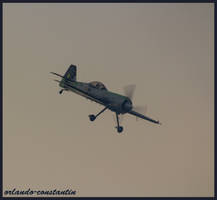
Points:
(97, 92)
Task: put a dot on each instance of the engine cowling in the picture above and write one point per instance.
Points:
(126, 106)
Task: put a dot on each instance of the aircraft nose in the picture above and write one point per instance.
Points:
(128, 106)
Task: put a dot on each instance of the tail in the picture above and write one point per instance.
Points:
(71, 73)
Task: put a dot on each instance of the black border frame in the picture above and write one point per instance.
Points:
(102, 1)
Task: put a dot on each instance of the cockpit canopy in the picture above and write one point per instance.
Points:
(97, 85)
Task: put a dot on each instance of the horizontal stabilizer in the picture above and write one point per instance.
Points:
(64, 78)
(57, 74)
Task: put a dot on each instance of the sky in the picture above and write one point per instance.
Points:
(165, 49)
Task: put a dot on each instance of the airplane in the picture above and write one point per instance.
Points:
(97, 92)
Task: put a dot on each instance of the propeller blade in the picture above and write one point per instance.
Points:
(141, 109)
(121, 118)
(113, 117)
(129, 91)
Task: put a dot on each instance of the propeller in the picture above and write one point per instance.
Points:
(129, 91)
(141, 109)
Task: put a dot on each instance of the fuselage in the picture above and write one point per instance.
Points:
(115, 102)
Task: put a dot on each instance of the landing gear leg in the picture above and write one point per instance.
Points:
(93, 117)
(119, 128)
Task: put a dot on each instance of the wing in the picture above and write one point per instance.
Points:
(143, 117)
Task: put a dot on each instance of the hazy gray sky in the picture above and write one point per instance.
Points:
(167, 50)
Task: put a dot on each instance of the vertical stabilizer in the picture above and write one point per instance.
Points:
(71, 73)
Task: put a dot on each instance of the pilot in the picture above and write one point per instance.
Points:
(97, 85)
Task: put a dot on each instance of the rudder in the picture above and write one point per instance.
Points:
(71, 73)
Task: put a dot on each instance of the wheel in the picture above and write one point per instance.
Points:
(120, 129)
(61, 91)
(92, 117)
